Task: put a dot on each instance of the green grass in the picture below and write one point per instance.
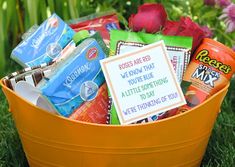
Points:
(220, 151)
(11, 152)
(221, 148)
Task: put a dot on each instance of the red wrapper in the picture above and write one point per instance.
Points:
(95, 111)
(102, 22)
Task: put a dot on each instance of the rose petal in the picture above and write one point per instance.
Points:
(185, 27)
(130, 20)
(171, 27)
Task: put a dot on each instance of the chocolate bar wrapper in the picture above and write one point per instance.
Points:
(32, 75)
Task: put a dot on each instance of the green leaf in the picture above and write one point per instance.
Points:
(2, 43)
(11, 7)
(149, 1)
(33, 11)
(51, 5)
(65, 10)
(25, 14)
(185, 85)
(72, 8)
(209, 14)
(43, 9)
(123, 20)
(20, 18)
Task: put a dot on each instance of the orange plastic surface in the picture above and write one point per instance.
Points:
(50, 140)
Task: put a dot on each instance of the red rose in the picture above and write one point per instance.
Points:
(150, 16)
(185, 27)
(171, 27)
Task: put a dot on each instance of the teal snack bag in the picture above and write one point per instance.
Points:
(77, 79)
(178, 48)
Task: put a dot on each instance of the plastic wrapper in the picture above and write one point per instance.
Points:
(31, 75)
(101, 22)
(34, 75)
(43, 44)
(77, 78)
(210, 69)
(94, 111)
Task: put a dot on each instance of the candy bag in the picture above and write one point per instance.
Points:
(178, 48)
(43, 44)
(210, 69)
(101, 22)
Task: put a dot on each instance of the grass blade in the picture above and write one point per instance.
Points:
(72, 8)
(2, 41)
(51, 5)
(43, 10)
(33, 11)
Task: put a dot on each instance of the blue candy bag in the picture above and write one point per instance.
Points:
(44, 44)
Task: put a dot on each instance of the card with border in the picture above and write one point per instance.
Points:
(142, 83)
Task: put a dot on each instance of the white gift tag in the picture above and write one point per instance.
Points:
(142, 82)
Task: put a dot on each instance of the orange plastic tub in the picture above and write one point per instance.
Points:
(50, 140)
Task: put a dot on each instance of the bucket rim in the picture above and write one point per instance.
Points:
(110, 125)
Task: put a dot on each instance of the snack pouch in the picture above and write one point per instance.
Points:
(77, 79)
(210, 69)
(94, 111)
(98, 22)
(43, 44)
(178, 48)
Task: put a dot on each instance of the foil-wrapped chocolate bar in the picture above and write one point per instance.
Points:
(32, 75)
